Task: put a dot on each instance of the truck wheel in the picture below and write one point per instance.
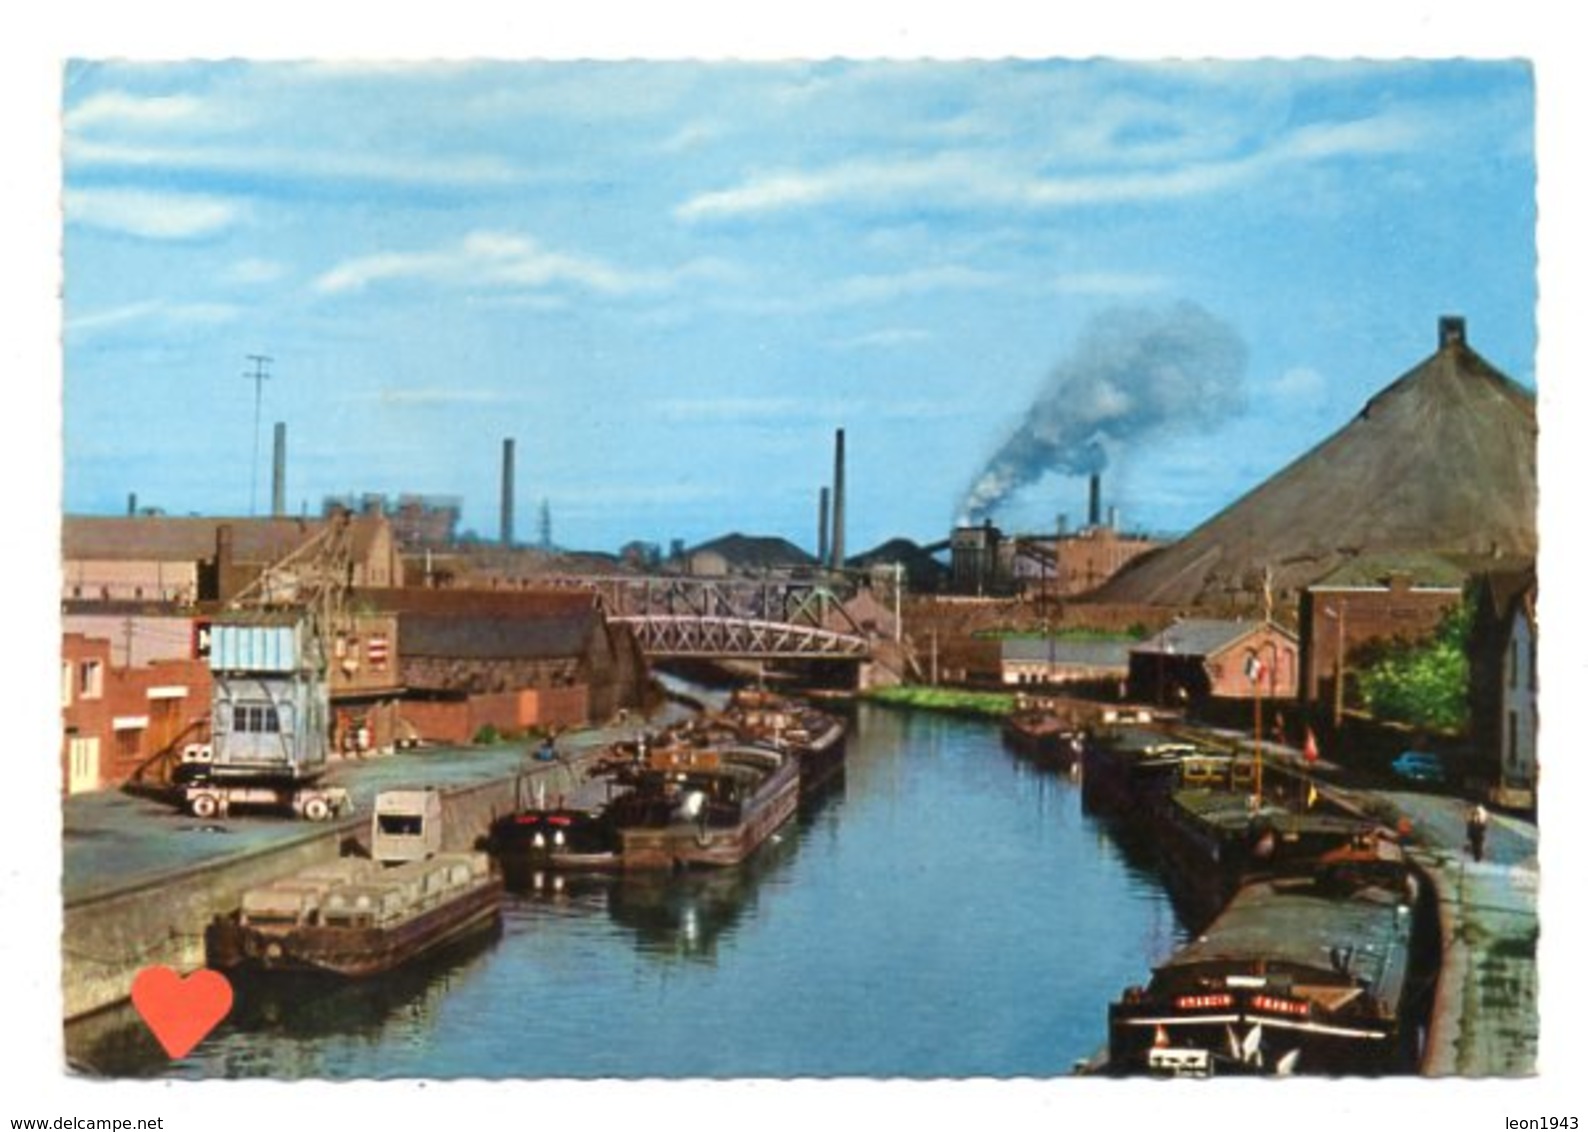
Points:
(204, 805)
(316, 809)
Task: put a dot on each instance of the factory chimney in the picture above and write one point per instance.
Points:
(838, 502)
(821, 527)
(132, 503)
(278, 473)
(1094, 513)
(507, 492)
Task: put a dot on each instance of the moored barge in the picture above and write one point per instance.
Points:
(675, 806)
(1212, 836)
(815, 738)
(1130, 773)
(357, 917)
(1300, 975)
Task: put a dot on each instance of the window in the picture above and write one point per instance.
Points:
(255, 717)
(66, 684)
(90, 679)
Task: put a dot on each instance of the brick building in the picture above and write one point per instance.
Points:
(511, 660)
(1382, 598)
(1194, 661)
(116, 719)
(158, 558)
(1070, 565)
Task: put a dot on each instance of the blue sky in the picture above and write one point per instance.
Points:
(670, 282)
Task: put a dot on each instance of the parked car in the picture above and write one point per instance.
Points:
(1420, 766)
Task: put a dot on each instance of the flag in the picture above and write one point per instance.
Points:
(1254, 668)
(1310, 751)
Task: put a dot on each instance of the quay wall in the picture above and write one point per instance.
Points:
(108, 937)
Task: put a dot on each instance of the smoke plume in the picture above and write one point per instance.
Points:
(1134, 372)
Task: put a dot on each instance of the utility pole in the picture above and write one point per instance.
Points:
(898, 609)
(258, 376)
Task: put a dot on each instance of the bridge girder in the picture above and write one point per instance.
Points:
(740, 637)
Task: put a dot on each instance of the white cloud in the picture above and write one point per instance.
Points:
(117, 108)
(298, 164)
(154, 216)
(985, 180)
(151, 311)
(509, 262)
(1300, 384)
(488, 258)
(1110, 283)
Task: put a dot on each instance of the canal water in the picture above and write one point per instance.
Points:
(947, 910)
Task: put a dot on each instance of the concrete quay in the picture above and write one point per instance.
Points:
(141, 880)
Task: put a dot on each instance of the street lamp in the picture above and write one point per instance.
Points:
(1337, 614)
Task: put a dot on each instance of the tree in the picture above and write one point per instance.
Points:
(1423, 684)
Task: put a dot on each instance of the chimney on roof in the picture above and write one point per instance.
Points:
(224, 556)
(507, 492)
(278, 473)
(1452, 331)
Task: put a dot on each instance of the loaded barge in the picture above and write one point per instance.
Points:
(1299, 975)
(708, 792)
(357, 917)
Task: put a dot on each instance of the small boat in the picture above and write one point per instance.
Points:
(1298, 975)
(566, 836)
(356, 917)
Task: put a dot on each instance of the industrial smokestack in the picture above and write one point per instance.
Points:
(821, 528)
(507, 492)
(132, 503)
(838, 501)
(1094, 509)
(278, 473)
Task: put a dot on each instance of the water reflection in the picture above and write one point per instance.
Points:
(947, 910)
(279, 1021)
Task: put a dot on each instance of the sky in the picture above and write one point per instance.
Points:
(1217, 188)
(671, 281)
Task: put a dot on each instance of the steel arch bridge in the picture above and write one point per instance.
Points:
(724, 637)
(721, 618)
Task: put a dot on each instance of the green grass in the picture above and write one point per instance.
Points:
(1058, 635)
(992, 704)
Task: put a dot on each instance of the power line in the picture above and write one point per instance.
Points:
(258, 377)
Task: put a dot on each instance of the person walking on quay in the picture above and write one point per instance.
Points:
(1477, 829)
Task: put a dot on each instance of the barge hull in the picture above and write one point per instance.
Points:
(352, 952)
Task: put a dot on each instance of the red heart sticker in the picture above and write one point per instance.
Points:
(181, 1011)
